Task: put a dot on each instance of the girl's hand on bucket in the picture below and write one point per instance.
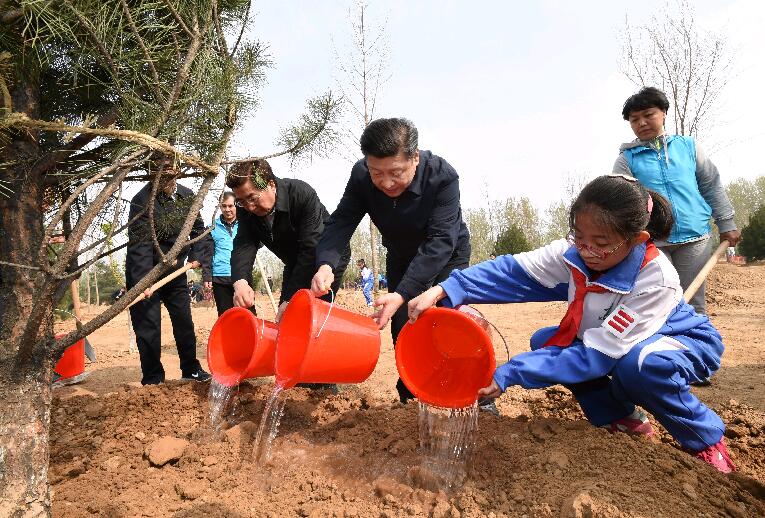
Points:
(244, 297)
(386, 305)
(322, 280)
(492, 391)
(425, 301)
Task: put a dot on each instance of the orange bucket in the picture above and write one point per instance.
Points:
(322, 343)
(72, 362)
(241, 346)
(446, 356)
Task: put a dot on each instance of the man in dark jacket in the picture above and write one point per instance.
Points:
(413, 198)
(171, 207)
(287, 217)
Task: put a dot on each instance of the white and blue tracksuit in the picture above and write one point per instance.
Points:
(367, 283)
(614, 363)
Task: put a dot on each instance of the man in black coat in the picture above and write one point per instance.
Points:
(171, 207)
(413, 198)
(284, 215)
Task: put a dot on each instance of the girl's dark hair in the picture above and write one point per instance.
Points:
(621, 204)
(647, 97)
(389, 137)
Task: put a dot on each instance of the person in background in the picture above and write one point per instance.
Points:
(117, 295)
(676, 167)
(367, 280)
(286, 216)
(382, 281)
(171, 206)
(223, 234)
(413, 197)
(628, 338)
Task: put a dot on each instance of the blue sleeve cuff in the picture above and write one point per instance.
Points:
(455, 295)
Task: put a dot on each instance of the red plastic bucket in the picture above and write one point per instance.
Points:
(446, 356)
(241, 346)
(319, 343)
(72, 362)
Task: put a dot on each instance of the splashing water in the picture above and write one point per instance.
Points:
(272, 416)
(219, 398)
(447, 440)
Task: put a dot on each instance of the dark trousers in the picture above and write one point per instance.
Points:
(146, 317)
(396, 271)
(223, 293)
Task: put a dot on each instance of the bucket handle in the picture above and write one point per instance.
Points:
(262, 320)
(332, 303)
(507, 349)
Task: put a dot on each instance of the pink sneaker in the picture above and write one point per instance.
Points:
(636, 423)
(717, 457)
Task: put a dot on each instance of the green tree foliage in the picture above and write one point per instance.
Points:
(746, 196)
(107, 284)
(753, 236)
(556, 219)
(512, 240)
(482, 238)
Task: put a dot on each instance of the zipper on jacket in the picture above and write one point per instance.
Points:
(395, 200)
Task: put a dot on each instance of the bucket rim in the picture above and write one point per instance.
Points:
(215, 354)
(430, 315)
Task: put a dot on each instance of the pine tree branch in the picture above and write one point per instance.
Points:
(145, 51)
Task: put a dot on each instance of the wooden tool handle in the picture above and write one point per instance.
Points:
(701, 277)
(164, 280)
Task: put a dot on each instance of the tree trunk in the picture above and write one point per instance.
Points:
(95, 282)
(25, 366)
(87, 287)
(373, 245)
(24, 452)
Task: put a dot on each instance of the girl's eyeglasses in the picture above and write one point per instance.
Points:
(593, 251)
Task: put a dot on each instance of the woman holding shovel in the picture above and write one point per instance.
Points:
(677, 168)
(628, 338)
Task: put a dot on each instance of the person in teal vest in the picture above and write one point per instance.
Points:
(223, 234)
(677, 168)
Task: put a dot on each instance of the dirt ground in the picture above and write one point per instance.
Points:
(118, 449)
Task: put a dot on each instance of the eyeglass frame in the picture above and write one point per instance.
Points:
(595, 251)
(251, 199)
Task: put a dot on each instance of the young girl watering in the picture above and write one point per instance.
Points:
(628, 338)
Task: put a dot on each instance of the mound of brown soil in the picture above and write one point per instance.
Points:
(118, 449)
(151, 452)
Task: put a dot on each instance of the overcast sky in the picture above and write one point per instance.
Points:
(515, 95)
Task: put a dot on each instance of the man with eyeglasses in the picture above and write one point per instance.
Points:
(286, 216)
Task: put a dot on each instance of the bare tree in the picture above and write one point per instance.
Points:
(692, 65)
(92, 93)
(364, 69)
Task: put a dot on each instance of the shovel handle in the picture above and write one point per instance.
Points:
(702, 275)
(164, 280)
